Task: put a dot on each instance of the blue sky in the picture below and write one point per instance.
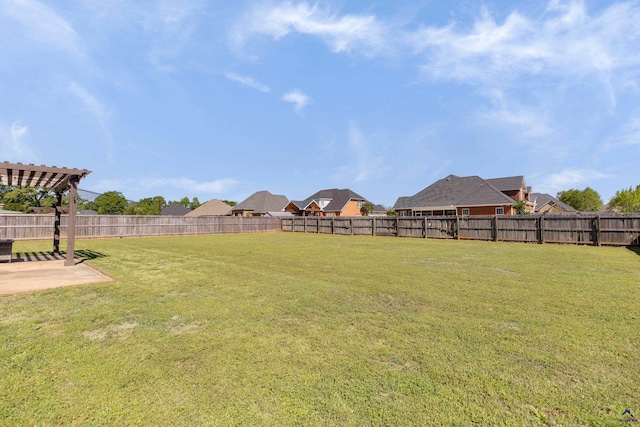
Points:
(219, 99)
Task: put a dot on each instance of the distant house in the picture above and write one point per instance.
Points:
(546, 203)
(378, 210)
(213, 207)
(330, 202)
(278, 214)
(175, 209)
(468, 195)
(258, 204)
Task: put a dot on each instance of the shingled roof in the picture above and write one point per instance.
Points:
(510, 183)
(213, 207)
(338, 199)
(454, 191)
(541, 199)
(175, 209)
(262, 202)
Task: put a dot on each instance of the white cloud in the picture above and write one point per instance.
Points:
(248, 81)
(97, 110)
(40, 24)
(298, 99)
(89, 101)
(171, 24)
(565, 180)
(165, 186)
(347, 33)
(566, 41)
(527, 122)
(629, 135)
(12, 142)
(364, 165)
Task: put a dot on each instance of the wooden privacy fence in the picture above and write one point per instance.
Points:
(32, 227)
(621, 230)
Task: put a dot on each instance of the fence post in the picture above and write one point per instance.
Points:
(333, 225)
(495, 228)
(541, 230)
(351, 225)
(596, 224)
(424, 226)
(304, 227)
(397, 232)
(373, 226)
(457, 227)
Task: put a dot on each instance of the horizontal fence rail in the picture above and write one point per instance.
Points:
(583, 229)
(37, 227)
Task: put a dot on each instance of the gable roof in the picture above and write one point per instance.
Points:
(175, 209)
(541, 200)
(213, 207)
(261, 202)
(454, 191)
(509, 183)
(338, 199)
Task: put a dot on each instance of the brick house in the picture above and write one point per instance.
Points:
(330, 202)
(469, 195)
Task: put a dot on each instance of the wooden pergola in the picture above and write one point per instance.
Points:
(52, 178)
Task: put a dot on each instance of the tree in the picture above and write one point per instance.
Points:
(367, 208)
(22, 198)
(191, 204)
(587, 200)
(148, 206)
(626, 201)
(229, 202)
(195, 203)
(521, 207)
(111, 203)
(391, 212)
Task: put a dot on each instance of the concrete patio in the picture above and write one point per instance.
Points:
(45, 271)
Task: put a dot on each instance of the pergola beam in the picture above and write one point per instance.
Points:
(51, 178)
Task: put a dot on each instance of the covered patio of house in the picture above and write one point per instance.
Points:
(53, 178)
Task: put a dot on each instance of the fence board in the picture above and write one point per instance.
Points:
(582, 229)
(37, 227)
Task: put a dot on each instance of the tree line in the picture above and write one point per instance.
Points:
(588, 200)
(22, 199)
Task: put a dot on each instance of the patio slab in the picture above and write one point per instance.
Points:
(33, 275)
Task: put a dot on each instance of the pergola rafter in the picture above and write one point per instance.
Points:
(52, 178)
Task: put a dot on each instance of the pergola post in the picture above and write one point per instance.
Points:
(71, 226)
(50, 178)
(56, 224)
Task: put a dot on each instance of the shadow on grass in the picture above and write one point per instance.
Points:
(81, 255)
(635, 249)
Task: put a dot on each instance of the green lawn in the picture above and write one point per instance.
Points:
(304, 329)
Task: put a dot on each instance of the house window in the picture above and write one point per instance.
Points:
(465, 212)
(499, 211)
(359, 203)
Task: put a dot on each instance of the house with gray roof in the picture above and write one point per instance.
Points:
(259, 203)
(329, 202)
(175, 209)
(468, 195)
(546, 203)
